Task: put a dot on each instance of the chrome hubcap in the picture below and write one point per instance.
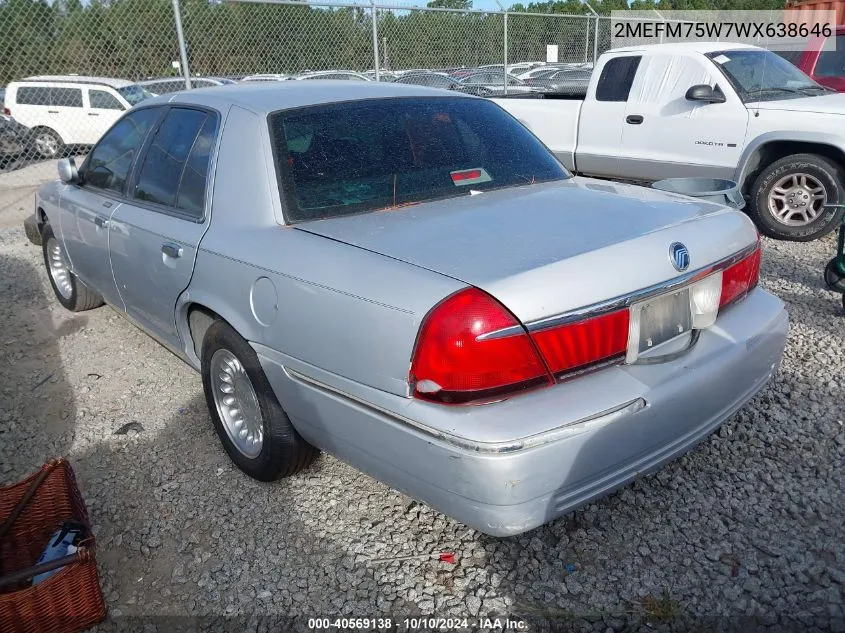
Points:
(59, 270)
(236, 402)
(797, 199)
(46, 144)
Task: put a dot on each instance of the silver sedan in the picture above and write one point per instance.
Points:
(408, 279)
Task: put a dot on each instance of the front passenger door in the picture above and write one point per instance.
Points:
(87, 207)
(154, 237)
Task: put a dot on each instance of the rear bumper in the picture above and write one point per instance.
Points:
(30, 227)
(638, 418)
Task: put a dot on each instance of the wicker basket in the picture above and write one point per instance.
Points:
(30, 511)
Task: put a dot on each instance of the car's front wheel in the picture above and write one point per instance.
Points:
(69, 290)
(790, 198)
(254, 429)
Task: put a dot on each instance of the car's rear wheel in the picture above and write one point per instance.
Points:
(790, 198)
(254, 429)
(69, 290)
(47, 143)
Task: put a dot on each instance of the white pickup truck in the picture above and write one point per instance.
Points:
(707, 109)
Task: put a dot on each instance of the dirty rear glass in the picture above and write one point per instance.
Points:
(358, 156)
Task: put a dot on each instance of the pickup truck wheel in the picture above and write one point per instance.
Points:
(789, 198)
(69, 290)
(47, 143)
(249, 420)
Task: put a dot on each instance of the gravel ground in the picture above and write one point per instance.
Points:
(749, 524)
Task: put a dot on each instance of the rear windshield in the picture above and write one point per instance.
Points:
(358, 156)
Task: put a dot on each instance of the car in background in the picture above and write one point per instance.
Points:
(265, 77)
(341, 75)
(166, 85)
(445, 309)
(383, 75)
(493, 82)
(69, 110)
(822, 60)
(16, 141)
(444, 82)
(563, 82)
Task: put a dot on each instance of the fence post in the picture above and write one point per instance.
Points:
(505, 67)
(587, 42)
(596, 43)
(183, 52)
(375, 38)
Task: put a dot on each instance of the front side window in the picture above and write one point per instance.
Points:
(103, 100)
(616, 78)
(107, 166)
(358, 156)
(175, 167)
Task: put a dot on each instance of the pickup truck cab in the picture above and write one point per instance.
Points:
(707, 109)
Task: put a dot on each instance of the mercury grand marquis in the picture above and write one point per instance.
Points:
(408, 279)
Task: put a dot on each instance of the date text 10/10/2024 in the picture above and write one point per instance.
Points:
(417, 624)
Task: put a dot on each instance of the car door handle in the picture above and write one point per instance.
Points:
(634, 119)
(172, 250)
(52, 111)
(107, 204)
(101, 222)
(93, 114)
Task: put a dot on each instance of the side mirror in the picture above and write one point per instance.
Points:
(68, 173)
(705, 94)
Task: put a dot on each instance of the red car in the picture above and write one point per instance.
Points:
(825, 66)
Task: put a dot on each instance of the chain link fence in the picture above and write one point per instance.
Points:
(73, 46)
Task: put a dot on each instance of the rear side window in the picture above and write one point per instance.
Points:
(109, 162)
(175, 167)
(616, 78)
(344, 158)
(50, 96)
(832, 63)
(102, 100)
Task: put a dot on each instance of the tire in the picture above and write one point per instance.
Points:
(69, 290)
(801, 176)
(282, 451)
(47, 143)
(834, 279)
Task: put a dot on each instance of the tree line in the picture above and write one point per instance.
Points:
(137, 38)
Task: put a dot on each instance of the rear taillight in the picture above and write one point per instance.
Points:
(740, 278)
(470, 348)
(454, 362)
(7, 112)
(579, 345)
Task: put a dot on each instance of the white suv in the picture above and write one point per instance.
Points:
(69, 110)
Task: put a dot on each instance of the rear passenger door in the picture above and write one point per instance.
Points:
(154, 236)
(102, 110)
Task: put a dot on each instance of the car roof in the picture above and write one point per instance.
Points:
(683, 47)
(80, 79)
(267, 97)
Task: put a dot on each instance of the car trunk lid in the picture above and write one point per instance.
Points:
(550, 248)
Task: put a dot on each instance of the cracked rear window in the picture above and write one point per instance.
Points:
(358, 156)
